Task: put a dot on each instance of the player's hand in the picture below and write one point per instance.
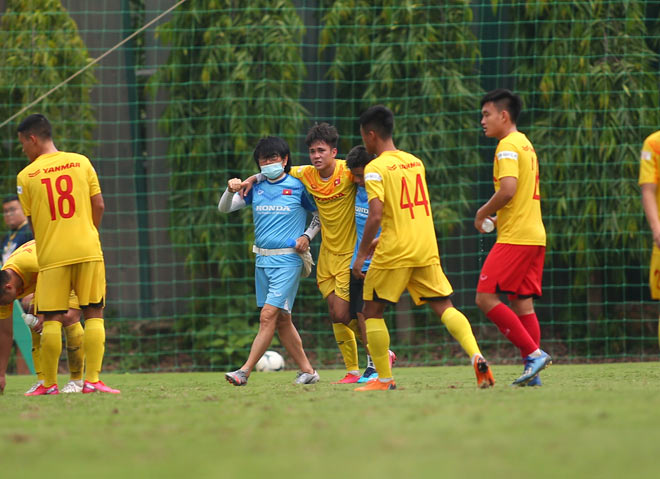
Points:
(357, 267)
(38, 328)
(302, 244)
(234, 185)
(246, 186)
(656, 238)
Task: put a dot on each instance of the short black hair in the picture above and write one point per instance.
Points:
(504, 100)
(380, 119)
(37, 125)
(9, 199)
(270, 146)
(322, 132)
(358, 157)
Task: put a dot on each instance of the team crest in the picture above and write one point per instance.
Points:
(286, 192)
(337, 181)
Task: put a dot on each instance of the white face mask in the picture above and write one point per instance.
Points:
(272, 171)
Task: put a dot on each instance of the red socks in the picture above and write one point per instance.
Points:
(513, 328)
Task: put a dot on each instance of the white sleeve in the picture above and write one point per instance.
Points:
(314, 226)
(230, 202)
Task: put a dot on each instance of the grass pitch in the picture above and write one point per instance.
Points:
(600, 421)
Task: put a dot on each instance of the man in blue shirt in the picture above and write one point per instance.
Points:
(281, 243)
(17, 223)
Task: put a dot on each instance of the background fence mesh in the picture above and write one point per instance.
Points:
(173, 114)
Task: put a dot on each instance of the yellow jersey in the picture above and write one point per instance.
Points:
(23, 262)
(335, 200)
(407, 238)
(519, 221)
(55, 191)
(649, 163)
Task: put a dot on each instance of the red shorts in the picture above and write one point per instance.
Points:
(514, 269)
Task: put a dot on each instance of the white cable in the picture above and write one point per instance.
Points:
(92, 63)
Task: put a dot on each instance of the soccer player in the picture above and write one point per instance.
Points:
(407, 252)
(514, 265)
(279, 211)
(356, 160)
(61, 196)
(649, 171)
(19, 230)
(18, 279)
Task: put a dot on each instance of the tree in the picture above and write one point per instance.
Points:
(233, 75)
(593, 97)
(41, 47)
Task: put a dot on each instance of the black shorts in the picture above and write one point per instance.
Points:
(355, 293)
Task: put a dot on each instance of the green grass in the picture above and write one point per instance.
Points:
(600, 420)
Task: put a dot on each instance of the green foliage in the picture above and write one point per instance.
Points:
(592, 97)
(233, 75)
(418, 60)
(40, 48)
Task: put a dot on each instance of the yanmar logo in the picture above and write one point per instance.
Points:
(391, 167)
(329, 198)
(54, 169)
(414, 164)
(271, 208)
(34, 173)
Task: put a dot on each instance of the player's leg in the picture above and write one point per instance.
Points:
(333, 280)
(88, 283)
(429, 284)
(271, 285)
(381, 287)
(6, 340)
(51, 299)
(292, 342)
(355, 307)
(654, 279)
(74, 334)
(498, 275)
(267, 324)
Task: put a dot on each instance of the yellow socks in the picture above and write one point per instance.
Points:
(459, 327)
(94, 347)
(378, 338)
(51, 349)
(74, 350)
(353, 325)
(36, 355)
(347, 345)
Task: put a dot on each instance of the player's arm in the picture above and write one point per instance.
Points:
(650, 205)
(6, 338)
(98, 207)
(230, 201)
(371, 227)
(303, 241)
(508, 188)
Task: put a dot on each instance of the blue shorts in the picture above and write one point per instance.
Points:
(277, 286)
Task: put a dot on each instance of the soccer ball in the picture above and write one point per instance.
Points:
(270, 361)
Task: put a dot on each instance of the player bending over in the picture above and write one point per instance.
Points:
(18, 279)
(279, 211)
(514, 265)
(407, 252)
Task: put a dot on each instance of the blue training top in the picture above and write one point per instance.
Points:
(279, 211)
(361, 213)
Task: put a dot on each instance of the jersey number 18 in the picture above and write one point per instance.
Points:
(64, 188)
